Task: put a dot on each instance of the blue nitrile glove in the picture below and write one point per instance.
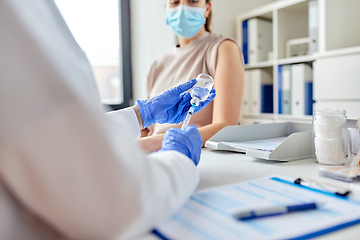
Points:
(170, 106)
(188, 142)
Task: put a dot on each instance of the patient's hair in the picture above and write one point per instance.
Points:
(208, 19)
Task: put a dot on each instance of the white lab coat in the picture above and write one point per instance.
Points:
(66, 169)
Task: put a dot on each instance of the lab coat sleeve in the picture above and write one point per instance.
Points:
(83, 176)
(60, 157)
(128, 115)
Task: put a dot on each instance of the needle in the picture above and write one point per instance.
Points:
(188, 117)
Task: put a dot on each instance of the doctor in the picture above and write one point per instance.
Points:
(67, 171)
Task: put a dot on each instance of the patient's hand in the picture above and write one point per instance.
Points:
(144, 132)
(151, 144)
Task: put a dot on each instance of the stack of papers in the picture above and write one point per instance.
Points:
(342, 173)
(268, 145)
(208, 214)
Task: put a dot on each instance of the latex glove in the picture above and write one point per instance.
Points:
(188, 142)
(170, 106)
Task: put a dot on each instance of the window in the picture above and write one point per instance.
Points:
(97, 27)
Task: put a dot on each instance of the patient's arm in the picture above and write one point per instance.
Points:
(229, 84)
(151, 143)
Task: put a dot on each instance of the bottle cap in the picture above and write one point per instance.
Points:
(195, 100)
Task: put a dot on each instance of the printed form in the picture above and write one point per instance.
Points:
(208, 213)
(268, 145)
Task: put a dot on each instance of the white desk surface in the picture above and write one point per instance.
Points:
(219, 168)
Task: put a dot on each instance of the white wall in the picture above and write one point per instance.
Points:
(151, 37)
(225, 12)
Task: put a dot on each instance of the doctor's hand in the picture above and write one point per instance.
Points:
(170, 106)
(188, 142)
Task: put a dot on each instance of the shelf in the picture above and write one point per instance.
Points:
(269, 8)
(337, 55)
(303, 59)
(267, 117)
(262, 116)
(294, 118)
(259, 65)
(339, 52)
(299, 59)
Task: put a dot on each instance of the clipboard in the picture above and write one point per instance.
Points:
(207, 214)
(298, 143)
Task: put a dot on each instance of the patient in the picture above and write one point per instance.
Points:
(200, 51)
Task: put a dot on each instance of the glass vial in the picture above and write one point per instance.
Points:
(201, 90)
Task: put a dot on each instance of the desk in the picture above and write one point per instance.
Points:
(219, 168)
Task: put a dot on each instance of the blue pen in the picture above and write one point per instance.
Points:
(274, 211)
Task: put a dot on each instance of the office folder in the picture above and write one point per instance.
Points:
(279, 89)
(267, 100)
(296, 144)
(245, 48)
(258, 93)
(255, 91)
(300, 75)
(208, 213)
(246, 100)
(309, 100)
(258, 78)
(286, 89)
(259, 39)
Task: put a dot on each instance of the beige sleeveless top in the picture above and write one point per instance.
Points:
(180, 65)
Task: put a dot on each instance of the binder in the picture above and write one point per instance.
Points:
(286, 89)
(259, 39)
(297, 145)
(258, 77)
(246, 101)
(258, 93)
(245, 41)
(313, 26)
(309, 100)
(267, 100)
(300, 75)
(280, 89)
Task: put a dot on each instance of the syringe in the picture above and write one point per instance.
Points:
(188, 117)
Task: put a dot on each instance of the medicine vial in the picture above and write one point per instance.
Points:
(201, 90)
(330, 138)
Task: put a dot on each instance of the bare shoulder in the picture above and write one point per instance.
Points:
(229, 51)
(228, 46)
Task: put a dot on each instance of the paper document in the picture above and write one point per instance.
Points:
(207, 215)
(268, 145)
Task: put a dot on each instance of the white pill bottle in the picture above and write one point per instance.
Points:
(330, 136)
